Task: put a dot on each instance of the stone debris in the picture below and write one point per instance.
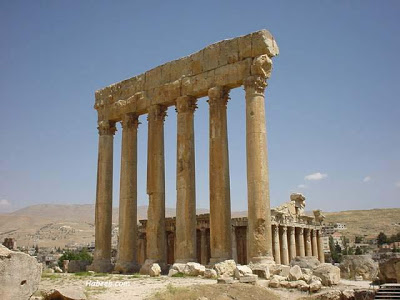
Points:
(295, 273)
(389, 267)
(225, 280)
(226, 267)
(67, 293)
(210, 273)
(262, 271)
(155, 270)
(242, 271)
(315, 286)
(194, 269)
(150, 268)
(172, 272)
(329, 274)
(307, 262)
(20, 275)
(248, 278)
(356, 266)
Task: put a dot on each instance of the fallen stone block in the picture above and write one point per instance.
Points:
(329, 274)
(225, 280)
(210, 273)
(295, 273)
(242, 271)
(226, 267)
(249, 278)
(69, 293)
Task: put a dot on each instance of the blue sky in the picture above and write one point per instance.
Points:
(332, 101)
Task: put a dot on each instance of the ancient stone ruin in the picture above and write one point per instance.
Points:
(211, 72)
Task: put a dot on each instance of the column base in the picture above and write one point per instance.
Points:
(101, 266)
(185, 260)
(262, 260)
(126, 267)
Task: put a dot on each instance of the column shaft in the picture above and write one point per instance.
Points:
(127, 246)
(300, 242)
(155, 229)
(284, 246)
(321, 255)
(314, 245)
(203, 246)
(185, 182)
(277, 251)
(292, 243)
(220, 203)
(308, 241)
(103, 213)
(259, 213)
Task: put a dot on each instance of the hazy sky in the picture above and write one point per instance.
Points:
(333, 109)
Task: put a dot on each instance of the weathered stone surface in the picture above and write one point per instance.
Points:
(315, 286)
(57, 269)
(347, 294)
(306, 271)
(330, 295)
(172, 272)
(261, 270)
(285, 284)
(353, 266)
(155, 270)
(150, 268)
(224, 63)
(179, 267)
(389, 267)
(242, 271)
(19, 274)
(329, 274)
(248, 278)
(210, 273)
(194, 269)
(226, 267)
(225, 280)
(295, 273)
(75, 266)
(309, 262)
(66, 293)
(363, 294)
(274, 283)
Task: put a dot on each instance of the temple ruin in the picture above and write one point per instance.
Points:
(213, 72)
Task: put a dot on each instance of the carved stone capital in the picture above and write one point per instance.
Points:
(186, 104)
(291, 230)
(262, 66)
(307, 232)
(157, 113)
(301, 231)
(255, 84)
(314, 233)
(284, 229)
(218, 95)
(130, 120)
(106, 127)
(276, 230)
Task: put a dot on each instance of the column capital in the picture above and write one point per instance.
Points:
(106, 127)
(255, 84)
(218, 95)
(314, 233)
(284, 228)
(157, 112)
(301, 230)
(307, 231)
(186, 104)
(130, 120)
(276, 229)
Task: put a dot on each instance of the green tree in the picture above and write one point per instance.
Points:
(381, 239)
(351, 251)
(75, 255)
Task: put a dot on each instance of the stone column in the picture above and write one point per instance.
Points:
(292, 243)
(220, 202)
(203, 246)
(321, 255)
(234, 245)
(284, 246)
(314, 245)
(277, 248)
(307, 239)
(155, 230)
(185, 182)
(300, 242)
(103, 213)
(259, 212)
(127, 246)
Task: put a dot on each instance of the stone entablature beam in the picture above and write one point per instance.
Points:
(227, 63)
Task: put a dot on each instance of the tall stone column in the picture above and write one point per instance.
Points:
(292, 243)
(277, 248)
(300, 242)
(220, 202)
(203, 246)
(284, 246)
(307, 239)
(155, 229)
(103, 213)
(321, 255)
(127, 246)
(314, 245)
(259, 212)
(185, 182)
(234, 245)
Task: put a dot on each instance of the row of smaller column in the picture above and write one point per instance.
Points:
(290, 241)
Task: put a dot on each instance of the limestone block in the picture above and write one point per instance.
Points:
(233, 74)
(64, 293)
(244, 44)
(75, 266)
(306, 277)
(354, 266)
(242, 271)
(262, 271)
(225, 280)
(329, 274)
(196, 63)
(281, 270)
(194, 269)
(199, 84)
(249, 278)
(274, 283)
(389, 267)
(163, 93)
(315, 286)
(155, 270)
(226, 267)
(309, 262)
(210, 273)
(210, 57)
(348, 294)
(263, 42)
(331, 295)
(295, 273)
(57, 269)
(153, 78)
(285, 284)
(363, 294)
(306, 271)
(229, 52)
(179, 267)
(19, 274)
(172, 272)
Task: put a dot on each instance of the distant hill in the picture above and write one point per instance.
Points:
(53, 225)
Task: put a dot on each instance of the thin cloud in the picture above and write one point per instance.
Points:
(4, 202)
(302, 186)
(397, 184)
(316, 176)
(366, 179)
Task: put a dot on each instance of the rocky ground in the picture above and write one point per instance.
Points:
(165, 288)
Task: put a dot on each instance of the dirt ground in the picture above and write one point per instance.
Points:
(115, 287)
